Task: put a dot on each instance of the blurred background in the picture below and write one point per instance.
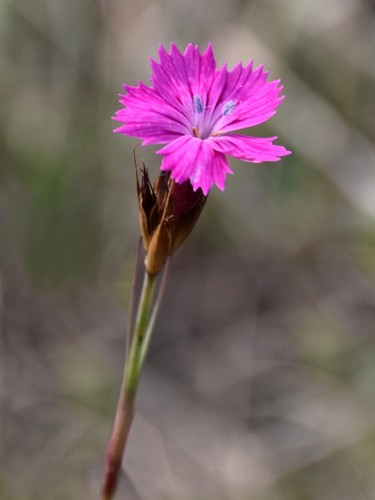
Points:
(260, 383)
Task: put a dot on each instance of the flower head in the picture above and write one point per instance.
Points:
(194, 109)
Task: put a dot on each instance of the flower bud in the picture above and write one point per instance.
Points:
(168, 212)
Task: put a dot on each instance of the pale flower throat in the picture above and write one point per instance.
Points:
(204, 128)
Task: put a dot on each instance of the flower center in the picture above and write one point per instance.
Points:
(208, 124)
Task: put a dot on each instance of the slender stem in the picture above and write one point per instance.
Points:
(133, 364)
(129, 332)
(155, 311)
(125, 407)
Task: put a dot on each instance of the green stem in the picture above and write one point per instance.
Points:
(125, 407)
(155, 311)
(134, 362)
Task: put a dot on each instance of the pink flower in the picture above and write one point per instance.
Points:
(194, 108)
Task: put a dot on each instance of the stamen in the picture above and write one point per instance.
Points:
(228, 108)
(195, 132)
(198, 106)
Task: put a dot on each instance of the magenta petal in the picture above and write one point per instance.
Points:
(247, 148)
(200, 70)
(259, 106)
(194, 159)
(169, 78)
(148, 117)
(178, 77)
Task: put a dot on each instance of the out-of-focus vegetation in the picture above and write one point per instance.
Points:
(260, 382)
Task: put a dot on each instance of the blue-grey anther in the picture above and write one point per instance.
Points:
(198, 106)
(228, 108)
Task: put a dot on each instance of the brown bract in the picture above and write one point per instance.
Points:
(168, 212)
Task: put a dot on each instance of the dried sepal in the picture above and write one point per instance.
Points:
(147, 206)
(168, 212)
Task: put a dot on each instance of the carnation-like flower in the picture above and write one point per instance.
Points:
(194, 109)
